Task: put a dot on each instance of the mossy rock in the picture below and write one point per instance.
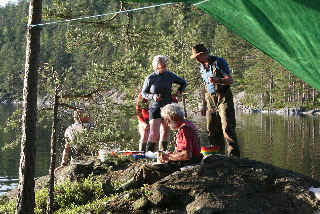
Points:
(141, 204)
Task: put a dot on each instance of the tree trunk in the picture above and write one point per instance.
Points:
(26, 197)
(53, 153)
(270, 89)
(304, 94)
(313, 96)
(293, 91)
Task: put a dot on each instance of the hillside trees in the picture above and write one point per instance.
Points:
(12, 48)
(101, 40)
(101, 63)
(101, 59)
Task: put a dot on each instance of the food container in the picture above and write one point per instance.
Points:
(102, 155)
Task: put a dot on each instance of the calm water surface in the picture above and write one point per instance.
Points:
(288, 142)
(9, 161)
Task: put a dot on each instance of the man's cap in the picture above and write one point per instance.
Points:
(197, 50)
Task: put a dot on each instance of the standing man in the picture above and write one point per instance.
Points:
(217, 100)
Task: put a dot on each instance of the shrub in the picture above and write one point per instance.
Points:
(68, 195)
(76, 193)
(7, 206)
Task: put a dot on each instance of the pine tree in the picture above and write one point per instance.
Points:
(26, 198)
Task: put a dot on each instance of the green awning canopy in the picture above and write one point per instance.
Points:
(286, 30)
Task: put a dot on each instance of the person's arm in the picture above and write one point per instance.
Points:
(180, 81)
(139, 115)
(227, 78)
(185, 151)
(146, 89)
(203, 108)
(180, 155)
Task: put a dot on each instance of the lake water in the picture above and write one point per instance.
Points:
(288, 142)
(9, 161)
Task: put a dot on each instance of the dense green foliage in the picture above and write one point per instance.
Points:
(99, 45)
(100, 64)
(86, 195)
(70, 197)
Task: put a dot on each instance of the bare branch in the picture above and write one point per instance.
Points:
(80, 95)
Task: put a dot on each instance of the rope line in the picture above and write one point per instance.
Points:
(195, 4)
(100, 15)
(106, 14)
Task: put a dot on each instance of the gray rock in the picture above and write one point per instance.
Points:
(232, 186)
(205, 204)
(219, 185)
(162, 196)
(80, 169)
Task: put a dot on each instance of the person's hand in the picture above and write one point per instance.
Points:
(214, 80)
(145, 125)
(203, 111)
(177, 96)
(164, 158)
(178, 93)
(156, 97)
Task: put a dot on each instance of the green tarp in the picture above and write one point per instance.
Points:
(286, 30)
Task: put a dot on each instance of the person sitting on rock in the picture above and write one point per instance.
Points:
(82, 122)
(187, 150)
(187, 138)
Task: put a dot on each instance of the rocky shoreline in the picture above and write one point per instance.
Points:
(297, 111)
(218, 185)
(283, 111)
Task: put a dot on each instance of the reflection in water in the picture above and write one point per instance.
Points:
(290, 142)
(7, 184)
(287, 142)
(9, 161)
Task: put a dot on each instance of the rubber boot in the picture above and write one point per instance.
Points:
(142, 147)
(233, 150)
(150, 147)
(163, 146)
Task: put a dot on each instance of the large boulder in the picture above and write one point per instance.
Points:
(218, 185)
(225, 185)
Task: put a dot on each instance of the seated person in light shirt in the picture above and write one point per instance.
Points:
(82, 122)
